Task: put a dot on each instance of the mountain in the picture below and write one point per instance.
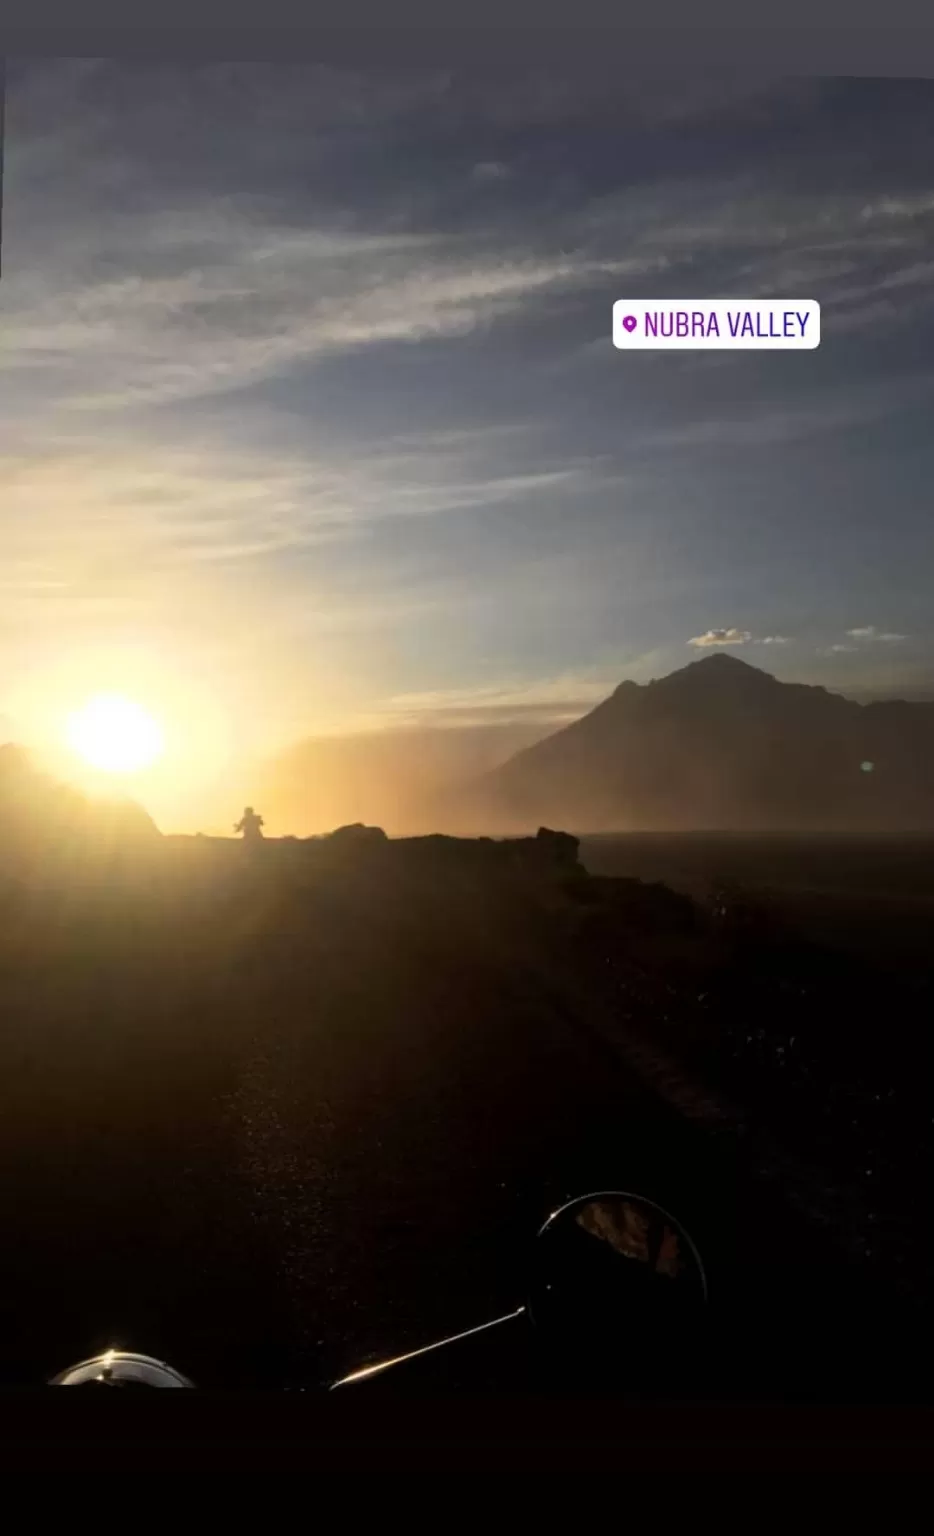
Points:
(722, 745)
(40, 816)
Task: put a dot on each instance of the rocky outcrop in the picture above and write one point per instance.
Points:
(357, 835)
(549, 852)
(558, 847)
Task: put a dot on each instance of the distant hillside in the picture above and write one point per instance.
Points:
(401, 778)
(720, 744)
(40, 816)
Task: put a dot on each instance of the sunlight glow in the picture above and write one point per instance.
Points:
(115, 734)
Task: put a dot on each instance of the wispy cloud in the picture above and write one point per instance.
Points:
(285, 360)
(555, 699)
(759, 426)
(216, 293)
(869, 632)
(73, 511)
(491, 170)
(143, 342)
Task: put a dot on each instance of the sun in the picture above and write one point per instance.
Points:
(115, 734)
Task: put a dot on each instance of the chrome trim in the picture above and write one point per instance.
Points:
(426, 1349)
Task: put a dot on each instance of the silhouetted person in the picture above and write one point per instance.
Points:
(250, 825)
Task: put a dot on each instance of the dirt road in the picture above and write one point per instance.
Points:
(334, 1141)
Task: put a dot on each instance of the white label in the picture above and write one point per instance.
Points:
(654, 325)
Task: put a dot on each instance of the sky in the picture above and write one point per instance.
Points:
(312, 421)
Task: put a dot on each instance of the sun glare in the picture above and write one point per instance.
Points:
(115, 734)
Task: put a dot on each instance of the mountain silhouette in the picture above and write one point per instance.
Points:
(722, 745)
(40, 815)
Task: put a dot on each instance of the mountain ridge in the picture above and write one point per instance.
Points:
(721, 744)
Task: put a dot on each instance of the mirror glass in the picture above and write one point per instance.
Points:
(615, 1274)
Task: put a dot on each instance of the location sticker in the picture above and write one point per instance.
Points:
(656, 325)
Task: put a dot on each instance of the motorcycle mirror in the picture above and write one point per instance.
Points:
(120, 1368)
(615, 1274)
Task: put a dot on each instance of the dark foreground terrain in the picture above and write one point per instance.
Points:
(273, 1116)
(869, 897)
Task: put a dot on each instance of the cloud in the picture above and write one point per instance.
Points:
(736, 637)
(722, 637)
(869, 632)
(834, 648)
(216, 290)
(491, 170)
(911, 206)
(146, 341)
(762, 427)
(133, 523)
(224, 288)
(554, 699)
